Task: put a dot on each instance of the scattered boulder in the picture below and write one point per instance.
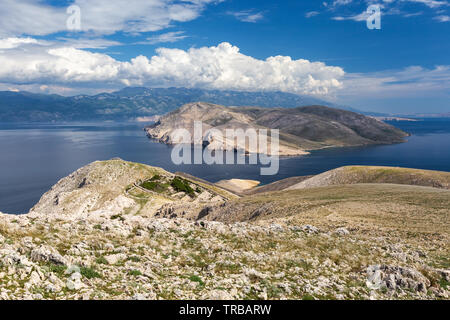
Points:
(445, 274)
(217, 295)
(79, 249)
(393, 277)
(254, 274)
(12, 258)
(46, 253)
(53, 284)
(114, 258)
(35, 279)
(274, 227)
(37, 296)
(309, 229)
(341, 231)
(27, 243)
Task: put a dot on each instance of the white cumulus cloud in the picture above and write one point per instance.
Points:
(216, 67)
(11, 43)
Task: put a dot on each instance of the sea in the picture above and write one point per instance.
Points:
(33, 157)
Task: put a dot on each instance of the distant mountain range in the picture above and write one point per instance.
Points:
(131, 103)
(135, 102)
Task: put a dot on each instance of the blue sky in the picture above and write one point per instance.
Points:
(320, 48)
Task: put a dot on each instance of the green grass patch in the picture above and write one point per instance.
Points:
(154, 186)
(197, 279)
(134, 273)
(134, 259)
(101, 260)
(444, 283)
(182, 185)
(57, 268)
(156, 177)
(89, 273)
(308, 297)
(117, 216)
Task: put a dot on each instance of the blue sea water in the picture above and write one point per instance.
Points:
(33, 157)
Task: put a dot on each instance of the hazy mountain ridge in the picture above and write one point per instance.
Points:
(130, 103)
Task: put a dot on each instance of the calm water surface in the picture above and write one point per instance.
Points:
(35, 156)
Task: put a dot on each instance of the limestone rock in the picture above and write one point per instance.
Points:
(341, 231)
(393, 277)
(310, 229)
(47, 254)
(217, 295)
(114, 258)
(34, 280)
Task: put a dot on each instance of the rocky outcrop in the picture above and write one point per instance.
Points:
(110, 188)
(97, 186)
(48, 254)
(393, 277)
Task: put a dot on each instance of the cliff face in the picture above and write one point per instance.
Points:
(301, 129)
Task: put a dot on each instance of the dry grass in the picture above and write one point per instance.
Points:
(407, 211)
(373, 174)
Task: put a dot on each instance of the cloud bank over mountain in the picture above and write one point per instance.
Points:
(217, 67)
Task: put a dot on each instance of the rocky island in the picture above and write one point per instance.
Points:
(122, 230)
(301, 129)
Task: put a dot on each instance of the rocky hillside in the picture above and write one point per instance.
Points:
(114, 187)
(301, 129)
(368, 174)
(276, 186)
(121, 230)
